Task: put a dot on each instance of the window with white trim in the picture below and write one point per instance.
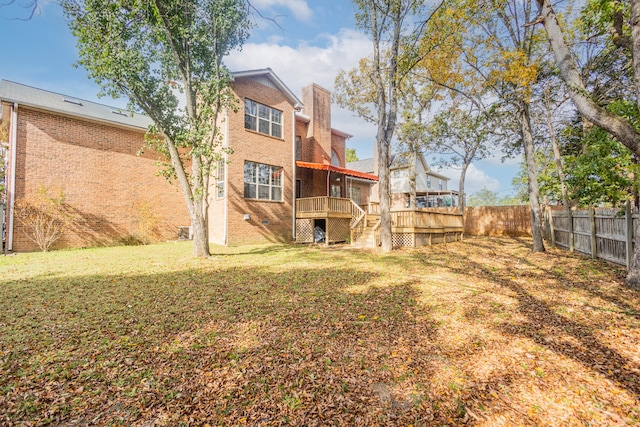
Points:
(262, 182)
(439, 184)
(428, 181)
(220, 178)
(263, 119)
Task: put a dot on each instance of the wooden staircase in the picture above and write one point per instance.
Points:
(365, 231)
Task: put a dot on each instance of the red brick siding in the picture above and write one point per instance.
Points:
(103, 178)
(259, 148)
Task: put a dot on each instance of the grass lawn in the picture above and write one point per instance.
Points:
(479, 332)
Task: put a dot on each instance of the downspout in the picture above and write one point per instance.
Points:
(226, 179)
(293, 173)
(328, 173)
(13, 145)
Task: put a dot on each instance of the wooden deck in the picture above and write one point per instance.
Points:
(343, 220)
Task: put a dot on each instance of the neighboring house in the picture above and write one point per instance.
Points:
(431, 187)
(284, 155)
(89, 151)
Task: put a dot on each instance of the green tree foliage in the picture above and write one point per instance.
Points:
(462, 134)
(166, 58)
(600, 169)
(486, 197)
(351, 155)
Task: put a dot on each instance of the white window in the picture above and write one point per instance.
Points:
(428, 181)
(263, 119)
(262, 182)
(439, 184)
(336, 190)
(298, 147)
(220, 178)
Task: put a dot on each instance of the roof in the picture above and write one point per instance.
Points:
(70, 105)
(268, 72)
(350, 172)
(398, 161)
(365, 165)
(401, 161)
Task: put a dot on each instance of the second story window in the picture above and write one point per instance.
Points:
(428, 181)
(440, 184)
(298, 147)
(263, 119)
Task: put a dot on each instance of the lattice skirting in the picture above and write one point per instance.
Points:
(338, 229)
(304, 230)
(402, 239)
(422, 239)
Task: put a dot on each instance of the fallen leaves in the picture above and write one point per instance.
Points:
(476, 332)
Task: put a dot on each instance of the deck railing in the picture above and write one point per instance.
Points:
(424, 219)
(324, 204)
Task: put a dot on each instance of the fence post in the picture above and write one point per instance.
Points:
(570, 223)
(628, 216)
(592, 218)
(552, 233)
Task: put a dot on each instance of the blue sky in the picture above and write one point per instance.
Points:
(312, 42)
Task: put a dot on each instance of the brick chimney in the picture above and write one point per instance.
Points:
(317, 106)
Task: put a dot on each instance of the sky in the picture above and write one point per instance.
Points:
(309, 42)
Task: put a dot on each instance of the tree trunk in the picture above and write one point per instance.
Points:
(197, 210)
(200, 236)
(633, 275)
(532, 174)
(463, 174)
(412, 176)
(384, 191)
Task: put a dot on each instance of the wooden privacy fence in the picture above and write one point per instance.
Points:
(601, 233)
(497, 220)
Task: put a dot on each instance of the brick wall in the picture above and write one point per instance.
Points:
(269, 221)
(106, 184)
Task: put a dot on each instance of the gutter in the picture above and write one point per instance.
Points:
(12, 191)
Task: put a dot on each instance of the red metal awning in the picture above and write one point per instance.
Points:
(338, 169)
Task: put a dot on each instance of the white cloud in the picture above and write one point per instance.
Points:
(475, 179)
(304, 64)
(299, 8)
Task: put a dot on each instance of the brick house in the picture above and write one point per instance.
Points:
(89, 151)
(284, 151)
(283, 154)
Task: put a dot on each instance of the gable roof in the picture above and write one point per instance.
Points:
(70, 105)
(364, 165)
(272, 80)
(398, 161)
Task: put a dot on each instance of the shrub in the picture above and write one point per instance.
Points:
(148, 222)
(44, 215)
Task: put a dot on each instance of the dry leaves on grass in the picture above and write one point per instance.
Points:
(480, 332)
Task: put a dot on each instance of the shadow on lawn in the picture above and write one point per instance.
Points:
(215, 345)
(546, 327)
